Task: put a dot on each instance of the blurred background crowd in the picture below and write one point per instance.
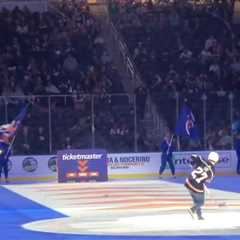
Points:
(60, 60)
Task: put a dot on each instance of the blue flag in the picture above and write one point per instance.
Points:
(8, 131)
(186, 124)
(21, 115)
(236, 127)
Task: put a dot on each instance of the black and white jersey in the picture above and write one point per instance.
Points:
(203, 171)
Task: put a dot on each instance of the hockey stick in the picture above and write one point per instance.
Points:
(209, 195)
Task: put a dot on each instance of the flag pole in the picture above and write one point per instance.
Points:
(177, 114)
(178, 143)
(17, 127)
(170, 144)
(10, 146)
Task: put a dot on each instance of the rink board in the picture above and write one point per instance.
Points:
(120, 166)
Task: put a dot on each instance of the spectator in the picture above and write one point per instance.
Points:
(41, 142)
(23, 144)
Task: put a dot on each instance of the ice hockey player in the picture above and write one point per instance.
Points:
(203, 171)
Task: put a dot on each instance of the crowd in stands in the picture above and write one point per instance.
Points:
(61, 52)
(175, 48)
(178, 47)
(58, 52)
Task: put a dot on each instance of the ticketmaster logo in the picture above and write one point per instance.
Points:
(71, 156)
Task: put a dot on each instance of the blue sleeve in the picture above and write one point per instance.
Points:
(164, 147)
(237, 146)
(171, 148)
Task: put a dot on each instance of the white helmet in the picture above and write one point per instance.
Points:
(213, 157)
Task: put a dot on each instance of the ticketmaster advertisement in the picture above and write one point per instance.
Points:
(82, 165)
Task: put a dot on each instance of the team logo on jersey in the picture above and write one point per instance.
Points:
(52, 164)
(30, 164)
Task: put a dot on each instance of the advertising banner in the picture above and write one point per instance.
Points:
(32, 166)
(82, 165)
(115, 166)
(149, 163)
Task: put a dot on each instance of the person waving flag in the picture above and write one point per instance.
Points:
(7, 138)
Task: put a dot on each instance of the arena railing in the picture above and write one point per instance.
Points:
(109, 121)
(32, 5)
(136, 81)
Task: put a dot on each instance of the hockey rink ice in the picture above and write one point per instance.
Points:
(146, 208)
